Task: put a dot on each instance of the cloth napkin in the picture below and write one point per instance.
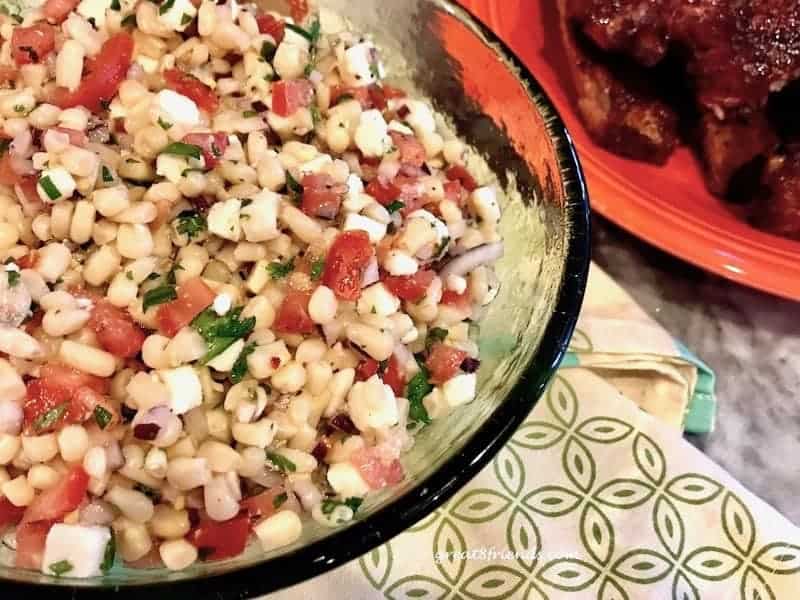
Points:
(597, 496)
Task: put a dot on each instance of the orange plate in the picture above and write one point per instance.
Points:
(667, 206)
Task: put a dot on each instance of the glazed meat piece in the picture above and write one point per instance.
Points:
(621, 112)
(731, 145)
(779, 210)
(633, 27)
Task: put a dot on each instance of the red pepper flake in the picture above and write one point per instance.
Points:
(320, 451)
(146, 431)
(345, 424)
(275, 362)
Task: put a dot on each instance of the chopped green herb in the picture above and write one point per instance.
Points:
(107, 175)
(129, 21)
(60, 568)
(278, 500)
(393, 207)
(221, 332)
(13, 278)
(50, 418)
(280, 270)
(436, 334)
(239, 369)
(49, 188)
(102, 417)
(317, 268)
(115, 5)
(281, 462)
(374, 70)
(164, 124)
(416, 390)
(316, 117)
(268, 50)
(312, 35)
(159, 295)
(293, 188)
(183, 149)
(191, 223)
(129, 275)
(20, 108)
(170, 276)
(249, 113)
(440, 249)
(354, 503)
(186, 19)
(328, 505)
(153, 276)
(109, 555)
(164, 8)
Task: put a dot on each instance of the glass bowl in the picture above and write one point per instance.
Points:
(497, 106)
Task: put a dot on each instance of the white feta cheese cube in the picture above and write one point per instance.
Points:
(177, 14)
(359, 66)
(171, 167)
(436, 405)
(375, 230)
(75, 550)
(55, 184)
(94, 10)
(356, 200)
(185, 391)
(372, 404)
(224, 219)
(378, 300)
(399, 127)
(459, 389)
(346, 480)
(224, 362)
(295, 39)
(484, 202)
(259, 219)
(372, 134)
(177, 109)
(456, 283)
(399, 263)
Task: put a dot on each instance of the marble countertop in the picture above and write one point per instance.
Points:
(750, 339)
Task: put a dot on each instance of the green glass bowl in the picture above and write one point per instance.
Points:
(498, 107)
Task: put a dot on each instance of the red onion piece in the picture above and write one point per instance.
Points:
(308, 493)
(22, 145)
(21, 166)
(135, 71)
(268, 478)
(371, 273)
(114, 456)
(472, 259)
(388, 170)
(157, 425)
(10, 417)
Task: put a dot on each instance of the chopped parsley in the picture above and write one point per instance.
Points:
(316, 117)
(249, 113)
(191, 223)
(115, 5)
(312, 34)
(102, 417)
(279, 270)
(268, 50)
(60, 568)
(440, 249)
(278, 500)
(293, 187)
(107, 175)
(13, 278)
(186, 19)
(49, 188)
(164, 8)
(393, 207)
(129, 21)
(353, 503)
(282, 463)
(374, 70)
(164, 124)
(317, 269)
(183, 149)
(51, 417)
(109, 555)
(159, 295)
(239, 369)
(129, 275)
(416, 390)
(436, 334)
(221, 332)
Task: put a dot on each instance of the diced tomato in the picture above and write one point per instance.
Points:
(293, 314)
(56, 11)
(347, 260)
(264, 504)
(373, 96)
(410, 287)
(115, 330)
(9, 514)
(360, 93)
(61, 386)
(213, 146)
(298, 9)
(454, 191)
(100, 85)
(375, 469)
(8, 74)
(61, 499)
(194, 297)
(393, 93)
(72, 379)
(191, 87)
(29, 260)
(444, 362)
(460, 174)
(322, 196)
(76, 137)
(366, 369)
(290, 96)
(459, 301)
(395, 376)
(32, 44)
(8, 176)
(31, 538)
(384, 193)
(28, 197)
(271, 26)
(412, 152)
(218, 540)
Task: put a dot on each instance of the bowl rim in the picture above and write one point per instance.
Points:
(430, 493)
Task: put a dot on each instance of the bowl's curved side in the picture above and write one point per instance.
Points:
(548, 175)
